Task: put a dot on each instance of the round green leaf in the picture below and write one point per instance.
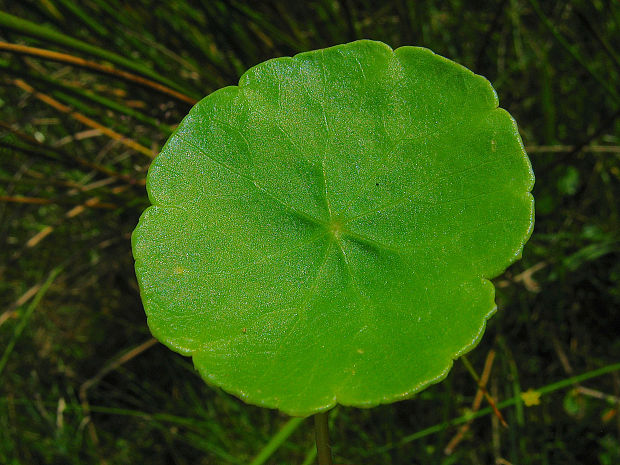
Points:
(324, 232)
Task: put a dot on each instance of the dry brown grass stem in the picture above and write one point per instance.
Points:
(84, 119)
(107, 69)
(475, 406)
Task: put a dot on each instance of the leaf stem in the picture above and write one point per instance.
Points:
(321, 430)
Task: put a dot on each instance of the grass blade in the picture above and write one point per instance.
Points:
(84, 119)
(26, 316)
(572, 50)
(277, 440)
(40, 32)
(77, 61)
(549, 388)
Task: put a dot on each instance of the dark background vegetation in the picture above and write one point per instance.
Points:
(81, 381)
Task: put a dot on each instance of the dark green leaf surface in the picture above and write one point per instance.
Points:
(324, 232)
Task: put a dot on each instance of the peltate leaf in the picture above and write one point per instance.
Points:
(325, 231)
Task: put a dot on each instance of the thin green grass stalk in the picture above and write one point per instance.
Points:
(93, 97)
(310, 456)
(572, 50)
(192, 29)
(516, 385)
(200, 40)
(233, 52)
(26, 316)
(23, 26)
(266, 24)
(112, 9)
(201, 409)
(90, 22)
(197, 435)
(277, 440)
(547, 96)
(47, 8)
(118, 107)
(609, 50)
(84, 108)
(57, 155)
(330, 20)
(292, 424)
(298, 35)
(549, 388)
(198, 441)
(104, 119)
(157, 49)
(154, 52)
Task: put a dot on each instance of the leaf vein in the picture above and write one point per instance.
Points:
(408, 197)
(252, 181)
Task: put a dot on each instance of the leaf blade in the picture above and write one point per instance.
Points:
(339, 214)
